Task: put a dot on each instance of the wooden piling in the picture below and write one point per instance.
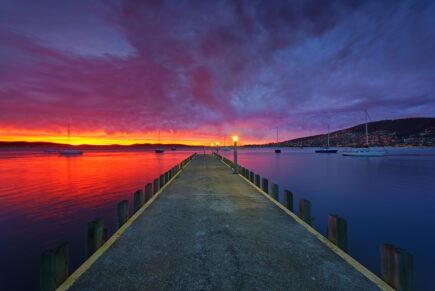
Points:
(148, 192)
(275, 191)
(337, 231)
(156, 186)
(257, 181)
(162, 180)
(288, 200)
(54, 267)
(305, 211)
(138, 200)
(166, 177)
(94, 236)
(397, 267)
(265, 185)
(122, 212)
(251, 176)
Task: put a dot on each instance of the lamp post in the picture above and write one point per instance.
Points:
(235, 168)
(212, 146)
(217, 147)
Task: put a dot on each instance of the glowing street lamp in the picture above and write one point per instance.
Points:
(217, 147)
(212, 146)
(235, 168)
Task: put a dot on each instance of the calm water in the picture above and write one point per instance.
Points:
(46, 198)
(390, 199)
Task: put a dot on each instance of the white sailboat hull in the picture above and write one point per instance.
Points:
(364, 153)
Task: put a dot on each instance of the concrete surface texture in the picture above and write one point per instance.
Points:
(210, 230)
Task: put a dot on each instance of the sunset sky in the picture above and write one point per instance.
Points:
(120, 71)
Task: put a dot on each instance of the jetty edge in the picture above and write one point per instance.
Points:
(205, 174)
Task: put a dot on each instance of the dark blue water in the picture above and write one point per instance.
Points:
(384, 200)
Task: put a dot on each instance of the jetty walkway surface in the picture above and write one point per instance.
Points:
(211, 230)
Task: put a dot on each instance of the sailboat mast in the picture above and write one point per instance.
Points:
(69, 133)
(277, 135)
(367, 129)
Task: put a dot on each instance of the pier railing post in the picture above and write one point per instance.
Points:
(148, 192)
(162, 180)
(337, 231)
(275, 191)
(166, 177)
(95, 236)
(251, 176)
(257, 180)
(397, 267)
(305, 211)
(122, 212)
(265, 185)
(156, 186)
(288, 200)
(138, 200)
(54, 267)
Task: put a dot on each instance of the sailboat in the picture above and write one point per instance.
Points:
(225, 148)
(70, 152)
(277, 150)
(327, 149)
(159, 150)
(364, 151)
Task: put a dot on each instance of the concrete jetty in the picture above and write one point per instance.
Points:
(210, 229)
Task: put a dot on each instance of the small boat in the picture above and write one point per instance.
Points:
(159, 150)
(277, 151)
(365, 150)
(225, 149)
(327, 149)
(70, 152)
(173, 148)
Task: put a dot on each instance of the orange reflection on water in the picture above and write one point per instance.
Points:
(40, 186)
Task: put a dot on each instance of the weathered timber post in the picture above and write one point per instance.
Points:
(148, 192)
(265, 185)
(138, 200)
(397, 267)
(275, 191)
(122, 211)
(251, 176)
(337, 231)
(156, 186)
(94, 236)
(162, 180)
(257, 180)
(166, 177)
(288, 200)
(305, 211)
(54, 267)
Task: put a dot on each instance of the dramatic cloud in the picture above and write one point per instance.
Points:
(198, 70)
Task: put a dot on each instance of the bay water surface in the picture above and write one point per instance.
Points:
(387, 199)
(46, 198)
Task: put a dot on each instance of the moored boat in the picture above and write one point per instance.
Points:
(364, 151)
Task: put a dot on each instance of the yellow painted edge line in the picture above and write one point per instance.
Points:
(345, 256)
(98, 253)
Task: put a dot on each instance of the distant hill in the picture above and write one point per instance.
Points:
(50, 145)
(398, 132)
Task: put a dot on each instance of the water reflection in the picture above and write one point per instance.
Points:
(45, 198)
(389, 199)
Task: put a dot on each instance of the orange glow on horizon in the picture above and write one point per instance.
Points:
(102, 138)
